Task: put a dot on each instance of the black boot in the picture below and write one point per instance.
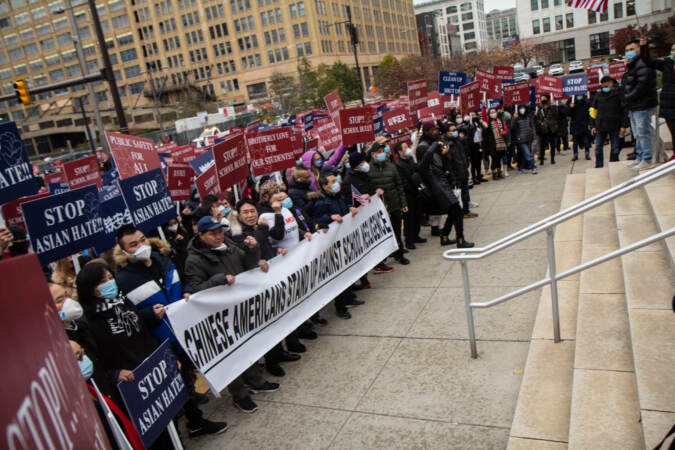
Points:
(576, 157)
(435, 231)
(445, 240)
(462, 243)
(588, 156)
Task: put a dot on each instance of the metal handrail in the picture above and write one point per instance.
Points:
(548, 224)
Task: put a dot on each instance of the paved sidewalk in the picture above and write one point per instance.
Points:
(399, 373)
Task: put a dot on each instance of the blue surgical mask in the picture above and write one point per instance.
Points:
(287, 203)
(108, 289)
(318, 163)
(226, 211)
(387, 149)
(381, 157)
(298, 162)
(454, 134)
(339, 178)
(348, 166)
(364, 167)
(335, 188)
(630, 55)
(86, 367)
(606, 89)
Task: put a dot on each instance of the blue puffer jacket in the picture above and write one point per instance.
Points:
(138, 284)
(326, 206)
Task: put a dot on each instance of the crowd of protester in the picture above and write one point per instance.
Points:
(113, 309)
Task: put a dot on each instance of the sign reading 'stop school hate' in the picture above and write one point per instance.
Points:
(357, 125)
(82, 172)
(148, 199)
(156, 395)
(16, 173)
(64, 224)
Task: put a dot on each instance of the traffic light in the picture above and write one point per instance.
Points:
(22, 94)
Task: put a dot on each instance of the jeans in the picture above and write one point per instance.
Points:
(526, 153)
(600, 137)
(640, 123)
(580, 140)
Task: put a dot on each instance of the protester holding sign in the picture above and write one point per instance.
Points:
(313, 160)
(494, 133)
(609, 121)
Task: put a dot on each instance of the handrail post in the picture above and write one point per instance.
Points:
(469, 310)
(550, 244)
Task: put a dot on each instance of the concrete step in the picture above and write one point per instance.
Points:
(662, 205)
(604, 411)
(541, 419)
(649, 285)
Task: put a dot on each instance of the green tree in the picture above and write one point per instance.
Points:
(339, 77)
(308, 80)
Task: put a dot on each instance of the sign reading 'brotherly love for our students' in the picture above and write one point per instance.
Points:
(64, 224)
(16, 173)
(148, 199)
(156, 395)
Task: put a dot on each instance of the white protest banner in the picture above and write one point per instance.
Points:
(227, 328)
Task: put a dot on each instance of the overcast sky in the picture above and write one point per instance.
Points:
(489, 4)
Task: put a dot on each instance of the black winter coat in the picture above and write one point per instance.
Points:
(611, 112)
(261, 233)
(667, 98)
(206, 268)
(639, 86)
(548, 120)
(361, 181)
(440, 180)
(456, 161)
(580, 118)
(298, 191)
(523, 129)
(406, 168)
(385, 176)
(327, 205)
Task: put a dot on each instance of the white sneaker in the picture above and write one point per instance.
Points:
(506, 172)
(643, 165)
(473, 204)
(633, 163)
(649, 166)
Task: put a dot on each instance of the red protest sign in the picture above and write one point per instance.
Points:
(617, 69)
(230, 158)
(488, 84)
(334, 104)
(252, 127)
(57, 164)
(405, 137)
(184, 154)
(83, 172)
(271, 151)
(133, 154)
(432, 112)
(594, 77)
(297, 142)
(447, 103)
(55, 177)
(180, 179)
(12, 211)
(46, 403)
(516, 94)
(167, 147)
(503, 72)
(329, 134)
(548, 84)
(396, 119)
(417, 94)
(469, 96)
(357, 125)
(207, 182)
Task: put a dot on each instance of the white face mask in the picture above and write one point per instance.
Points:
(364, 167)
(173, 228)
(409, 153)
(522, 110)
(221, 209)
(143, 252)
(221, 248)
(493, 115)
(70, 310)
(459, 120)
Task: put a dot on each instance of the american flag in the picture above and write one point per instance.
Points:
(593, 5)
(356, 195)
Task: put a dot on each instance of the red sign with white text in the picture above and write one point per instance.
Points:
(55, 177)
(433, 113)
(548, 84)
(83, 172)
(405, 137)
(617, 69)
(231, 164)
(594, 77)
(46, 403)
(396, 119)
(334, 104)
(180, 179)
(329, 134)
(357, 125)
(469, 96)
(297, 142)
(503, 72)
(183, 154)
(417, 94)
(488, 84)
(133, 154)
(447, 103)
(271, 151)
(207, 182)
(12, 211)
(516, 94)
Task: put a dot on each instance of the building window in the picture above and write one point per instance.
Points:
(618, 10)
(569, 17)
(56, 75)
(467, 26)
(467, 16)
(465, 6)
(546, 24)
(604, 17)
(470, 46)
(132, 71)
(599, 44)
(128, 55)
(535, 27)
(534, 5)
(558, 22)
(544, 4)
(451, 10)
(592, 17)
(557, 2)
(630, 7)
(469, 36)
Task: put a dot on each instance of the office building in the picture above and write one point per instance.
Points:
(463, 22)
(501, 24)
(575, 33)
(168, 49)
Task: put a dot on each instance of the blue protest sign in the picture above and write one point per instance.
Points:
(202, 162)
(378, 126)
(64, 224)
(494, 103)
(148, 199)
(110, 177)
(575, 84)
(156, 395)
(308, 121)
(107, 192)
(533, 96)
(114, 213)
(508, 81)
(450, 82)
(16, 173)
(57, 188)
